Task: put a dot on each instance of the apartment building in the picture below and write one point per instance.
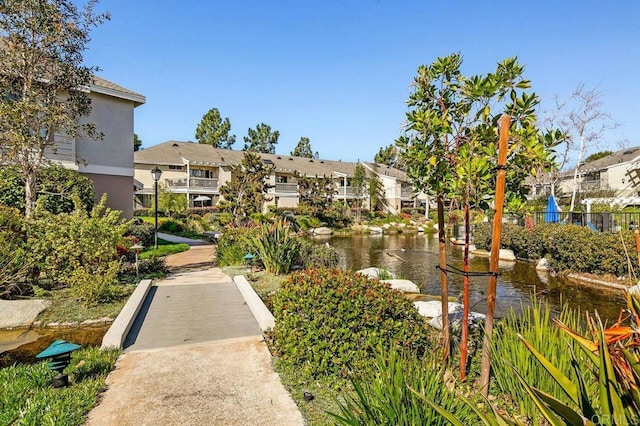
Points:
(198, 171)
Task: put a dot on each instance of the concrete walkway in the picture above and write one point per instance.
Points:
(195, 356)
(177, 239)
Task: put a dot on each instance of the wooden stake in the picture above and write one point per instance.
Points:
(636, 233)
(444, 286)
(465, 292)
(485, 371)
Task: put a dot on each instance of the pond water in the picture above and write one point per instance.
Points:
(22, 345)
(415, 257)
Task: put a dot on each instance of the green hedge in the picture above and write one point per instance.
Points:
(329, 322)
(567, 247)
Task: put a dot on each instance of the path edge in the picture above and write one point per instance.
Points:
(259, 310)
(119, 329)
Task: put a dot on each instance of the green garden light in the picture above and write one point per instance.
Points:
(60, 354)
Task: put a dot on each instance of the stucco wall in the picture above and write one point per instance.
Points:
(113, 155)
(119, 190)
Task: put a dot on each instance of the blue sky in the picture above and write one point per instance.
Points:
(338, 71)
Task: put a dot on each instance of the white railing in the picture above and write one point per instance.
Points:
(193, 183)
(289, 188)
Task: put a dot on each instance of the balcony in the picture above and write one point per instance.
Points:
(350, 192)
(407, 193)
(194, 184)
(286, 188)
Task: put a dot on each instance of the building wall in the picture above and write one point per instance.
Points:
(109, 162)
(119, 190)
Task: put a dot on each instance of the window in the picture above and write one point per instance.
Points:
(281, 179)
(199, 173)
(175, 167)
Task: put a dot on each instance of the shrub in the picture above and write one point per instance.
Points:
(567, 247)
(94, 285)
(234, 244)
(73, 249)
(330, 321)
(13, 271)
(143, 231)
(312, 255)
(145, 266)
(56, 186)
(171, 226)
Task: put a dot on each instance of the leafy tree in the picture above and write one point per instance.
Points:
(169, 202)
(214, 131)
(375, 189)
(390, 156)
(359, 185)
(137, 143)
(303, 149)
(315, 193)
(56, 187)
(244, 194)
(261, 139)
(41, 69)
(597, 156)
(450, 144)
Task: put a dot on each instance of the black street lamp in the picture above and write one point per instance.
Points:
(156, 173)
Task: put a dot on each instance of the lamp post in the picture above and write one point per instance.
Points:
(156, 173)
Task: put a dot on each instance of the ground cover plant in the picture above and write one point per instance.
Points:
(28, 398)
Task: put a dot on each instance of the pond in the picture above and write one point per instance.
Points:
(415, 257)
(22, 345)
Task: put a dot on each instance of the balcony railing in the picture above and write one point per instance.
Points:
(288, 188)
(407, 193)
(350, 192)
(194, 183)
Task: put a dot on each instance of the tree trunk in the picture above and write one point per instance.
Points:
(444, 289)
(30, 192)
(485, 368)
(575, 174)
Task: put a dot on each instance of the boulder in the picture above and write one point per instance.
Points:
(374, 272)
(507, 255)
(20, 313)
(323, 230)
(420, 229)
(403, 286)
(375, 230)
(433, 310)
(386, 226)
(543, 265)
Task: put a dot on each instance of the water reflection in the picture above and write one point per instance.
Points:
(415, 257)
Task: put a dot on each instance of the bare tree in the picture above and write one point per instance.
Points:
(583, 121)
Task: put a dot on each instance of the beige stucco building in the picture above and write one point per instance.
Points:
(109, 161)
(198, 171)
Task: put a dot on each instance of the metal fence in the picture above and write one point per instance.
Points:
(602, 221)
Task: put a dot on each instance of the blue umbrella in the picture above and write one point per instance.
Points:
(551, 215)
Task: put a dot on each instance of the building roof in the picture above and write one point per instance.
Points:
(178, 153)
(625, 155)
(106, 87)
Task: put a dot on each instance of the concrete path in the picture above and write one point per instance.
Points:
(195, 356)
(177, 239)
(197, 257)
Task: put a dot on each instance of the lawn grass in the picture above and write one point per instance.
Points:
(65, 308)
(164, 249)
(27, 397)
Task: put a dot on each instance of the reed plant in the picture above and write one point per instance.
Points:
(535, 324)
(391, 391)
(277, 247)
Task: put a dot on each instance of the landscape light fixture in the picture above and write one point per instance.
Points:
(156, 173)
(60, 354)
